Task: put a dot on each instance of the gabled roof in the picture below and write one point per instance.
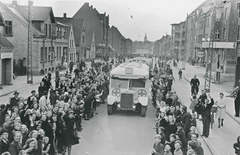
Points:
(40, 13)
(4, 42)
(16, 14)
(2, 22)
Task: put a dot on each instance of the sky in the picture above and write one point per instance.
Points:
(133, 18)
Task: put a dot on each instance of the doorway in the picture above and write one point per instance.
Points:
(6, 72)
(237, 71)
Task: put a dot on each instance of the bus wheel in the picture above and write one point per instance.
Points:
(109, 109)
(143, 111)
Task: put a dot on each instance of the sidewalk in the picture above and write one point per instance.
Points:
(225, 86)
(20, 85)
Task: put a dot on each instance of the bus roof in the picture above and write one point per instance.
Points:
(131, 70)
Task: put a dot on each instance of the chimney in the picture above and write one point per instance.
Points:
(64, 15)
(91, 6)
(87, 3)
(14, 3)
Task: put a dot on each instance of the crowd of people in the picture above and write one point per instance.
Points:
(49, 120)
(175, 128)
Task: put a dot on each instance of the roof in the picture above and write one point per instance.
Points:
(66, 21)
(40, 13)
(140, 70)
(4, 42)
(2, 22)
(16, 14)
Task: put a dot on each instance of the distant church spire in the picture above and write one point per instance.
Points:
(145, 37)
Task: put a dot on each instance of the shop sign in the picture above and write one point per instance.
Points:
(200, 54)
(6, 55)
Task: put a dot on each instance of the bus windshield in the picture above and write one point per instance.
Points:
(119, 83)
(138, 83)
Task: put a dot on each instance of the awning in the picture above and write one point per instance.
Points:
(224, 45)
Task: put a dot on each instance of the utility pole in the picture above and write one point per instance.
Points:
(208, 75)
(30, 39)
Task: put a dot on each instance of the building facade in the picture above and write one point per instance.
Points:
(178, 41)
(199, 26)
(44, 37)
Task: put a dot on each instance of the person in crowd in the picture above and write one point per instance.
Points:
(195, 83)
(193, 103)
(206, 115)
(192, 145)
(41, 89)
(4, 142)
(186, 120)
(236, 146)
(178, 148)
(182, 136)
(57, 78)
(221, 109)
(194, 120)
(14, 100)
(158, 147)
(167, 149)
(180, 74)
(199, 150)
(31, 98)
(15, 147)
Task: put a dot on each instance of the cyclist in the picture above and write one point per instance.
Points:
(194, 85)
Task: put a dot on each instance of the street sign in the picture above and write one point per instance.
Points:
(200, 54)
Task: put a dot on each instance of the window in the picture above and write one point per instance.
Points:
(83, 39)
(50, 31)
(8, 28)
(176, 43)
(226, 11)
(60, 52)
(138, 83)
(41, 57)
(57, 53)
(183, 34)
(49, 53)
(45, 54)
(119, 83)
(65, 34)
(45, 29)
(58, 32)
(200, 39)
(224, 33)
(217, 35)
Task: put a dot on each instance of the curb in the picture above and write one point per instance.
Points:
(22, 88)
(230, 115)
(207, 144)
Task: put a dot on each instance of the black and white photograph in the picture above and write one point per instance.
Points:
(119, 77)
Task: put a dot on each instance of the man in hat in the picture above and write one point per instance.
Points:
(14, 100)
(30, 99)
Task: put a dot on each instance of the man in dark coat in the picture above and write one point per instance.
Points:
(14, 100)
(57, 78)
(206, 116)
(194, 85)
(30, 99)
(4, 143)
(88, 104)
(186, 120)
(180, 132)
(15, 147)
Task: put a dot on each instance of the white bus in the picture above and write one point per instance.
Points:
(129, 88)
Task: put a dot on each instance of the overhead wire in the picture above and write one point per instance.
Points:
(131, 16)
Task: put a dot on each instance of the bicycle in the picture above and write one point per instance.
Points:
(213, 110)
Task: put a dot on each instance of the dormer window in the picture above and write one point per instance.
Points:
(8, 28)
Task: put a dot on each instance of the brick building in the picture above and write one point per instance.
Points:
(44, 37)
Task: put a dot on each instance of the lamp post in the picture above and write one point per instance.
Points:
(30, 40)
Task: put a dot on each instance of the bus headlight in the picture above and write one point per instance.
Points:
(135, 101)
(116, 92)
(142, 93)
